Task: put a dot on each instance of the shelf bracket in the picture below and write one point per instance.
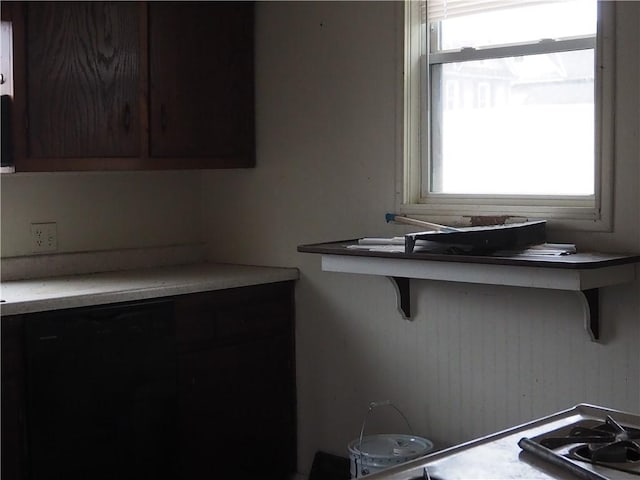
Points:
(591, 307)
(590, 304)
(402, 286)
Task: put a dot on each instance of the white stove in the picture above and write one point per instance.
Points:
(585, 442)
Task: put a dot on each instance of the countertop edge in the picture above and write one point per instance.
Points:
(57, 293)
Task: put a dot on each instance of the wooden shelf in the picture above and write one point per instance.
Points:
(583, 273)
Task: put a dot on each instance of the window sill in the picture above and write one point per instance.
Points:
(583, 273)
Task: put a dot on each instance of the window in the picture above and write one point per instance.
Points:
(508, 111)
(6, 63)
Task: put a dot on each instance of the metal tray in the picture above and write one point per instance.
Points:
(499, 456)
(483, 240)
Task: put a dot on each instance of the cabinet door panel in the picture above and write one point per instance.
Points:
(237, 411)
(12, 399)
(236, 374)
(201, 71)
(83, 79)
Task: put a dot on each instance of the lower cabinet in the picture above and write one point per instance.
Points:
(230, 359)
(12, 442)
(236, 379)
(93, 380)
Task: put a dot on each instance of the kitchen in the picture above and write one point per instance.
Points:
(475, 359)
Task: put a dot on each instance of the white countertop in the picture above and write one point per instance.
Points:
(55, 293)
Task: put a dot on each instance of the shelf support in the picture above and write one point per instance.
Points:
(591, 308)
(402, 286)
(590, 305)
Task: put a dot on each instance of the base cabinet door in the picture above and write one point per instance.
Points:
(13, 439)
(237, 394)
(237, 416)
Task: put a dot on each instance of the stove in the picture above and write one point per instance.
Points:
(584, 442)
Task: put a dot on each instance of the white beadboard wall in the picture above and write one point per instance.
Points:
(476, 358)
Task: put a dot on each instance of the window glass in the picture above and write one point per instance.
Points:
(516, 118)
(518, 125)
(556, 19)
(6, 62)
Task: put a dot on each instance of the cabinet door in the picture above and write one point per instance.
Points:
(236, 374)
(201, 74)
(82, 79)
(12, 389)
(237, 416)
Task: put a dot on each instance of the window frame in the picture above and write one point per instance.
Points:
(593, 213)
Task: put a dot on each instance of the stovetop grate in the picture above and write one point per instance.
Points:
(607, 444)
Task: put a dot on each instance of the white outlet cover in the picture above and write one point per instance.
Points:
(44, 237)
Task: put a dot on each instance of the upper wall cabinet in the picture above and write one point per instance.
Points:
(130, 85)
(200, 60)
(83, 68)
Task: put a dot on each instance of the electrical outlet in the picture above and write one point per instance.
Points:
(44, 237)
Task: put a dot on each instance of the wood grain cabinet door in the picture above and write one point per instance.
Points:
(83, 64)
(201, 82)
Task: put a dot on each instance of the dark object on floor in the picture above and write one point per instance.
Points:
(327, 466)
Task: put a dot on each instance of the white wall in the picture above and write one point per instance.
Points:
(101, 211)
(475, 358)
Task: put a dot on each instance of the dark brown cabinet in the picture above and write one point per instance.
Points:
(200, 61)
(133, 85)
(236, 379)
(83, 70)
(209, 376)
(13, 425)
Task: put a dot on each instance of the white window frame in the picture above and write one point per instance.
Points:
(572, 213)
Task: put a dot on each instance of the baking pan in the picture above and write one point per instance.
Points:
(485, 240)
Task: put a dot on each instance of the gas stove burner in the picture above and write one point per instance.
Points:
(603, 434)
(608, 444)
(616, 452)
